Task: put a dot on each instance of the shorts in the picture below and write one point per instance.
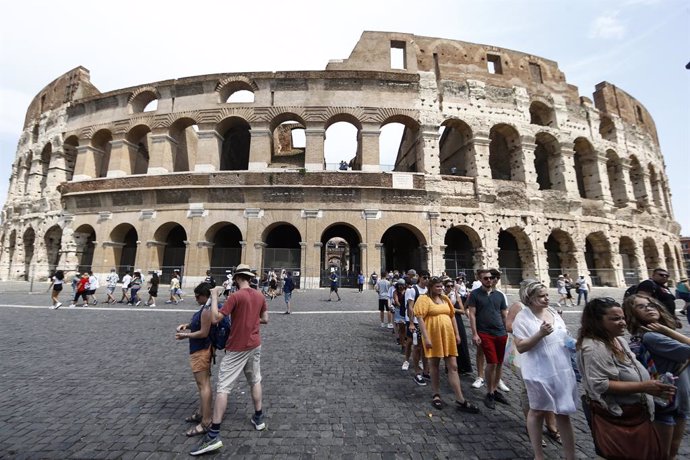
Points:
(494, 347)
(383, 304)
(235, 362)
(397, 317)
(90, 292)
(110, 289)
(57, 287)
(407, 328)
(287, 295)
(670, 418)
(153, 292)
(200, 361)
(334, 288)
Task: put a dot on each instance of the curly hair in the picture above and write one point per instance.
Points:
(592, 323)
(634, 324)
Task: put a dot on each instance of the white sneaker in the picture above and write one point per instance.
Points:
(406, 365)
(390, 325)
(52, 307)
(138, 303)
(502, 386)
(383, 324)
(478, 383)
(72, 306)
(152, 305)
(58, 305)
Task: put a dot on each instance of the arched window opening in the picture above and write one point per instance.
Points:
(607, 129)
(151, 106)
(236, 143)
(140, 136)
(586, 169)
(242, 96)
(542, 115)
(631, 266)
(509, 259)
(69, 147)
(546, 159)
(45, 165)
(638, 185)
(289, 144)
(84, 239)
(456, 147)
(145, 101)
(101, 145)
(391, 141)
(598, 259)
(53, 245)
(402, 250)
(341, 147)
(560, 255)
(174, 250)
(184, 131)
(226, 253)
(461, 243)
(614, 170)
(651, 255)
(504, 149)
(340, 252)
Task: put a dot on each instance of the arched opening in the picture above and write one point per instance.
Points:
(184, 132)
(342, 146)
(289, 142)
(340, 251)
(100, 142)
(69, 147)
(665, 196)
(28, 239)
(402, 250)
(390, 144)
(514, 256)
(542, 115)
(456, 149)
(614, 170)
(12, 246)
(45, 164)
(240, 91)
(598, 259)
(656, 187)
(586, 169)
(53, 245)
(637, 180)
(26, 170)
(283, 250)
(560, 255)
(669, 263)
(124, 238)
(651, 255)
(241, 96)
(145, 101)
(546, 161)
(461, 245)
(504, 152)
(607, 129)
(140, 136)
(226, 253)
(406, 145)
(631, 266)
(234, 154)
(84, 238)
(172, 251)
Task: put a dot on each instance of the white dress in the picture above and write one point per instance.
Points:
(546, 368)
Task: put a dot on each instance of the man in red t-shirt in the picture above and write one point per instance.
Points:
(247, 309)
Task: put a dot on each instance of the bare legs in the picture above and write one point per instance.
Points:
(203, 383)
(221, 403)
(671, 437)
(535, 420)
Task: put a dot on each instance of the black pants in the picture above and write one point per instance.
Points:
(464, 362)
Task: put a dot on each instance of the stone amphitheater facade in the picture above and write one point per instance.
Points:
(501, 163)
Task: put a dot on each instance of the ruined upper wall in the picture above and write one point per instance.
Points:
(610, 99)
(70, 86)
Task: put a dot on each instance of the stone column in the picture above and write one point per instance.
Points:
(153, 256)
(479, 166)
(627, 183)
(88, 160)
(598, 187)
(57, 171)
(260, 147)
(200, 257)
(313, 268)
(123, 155)
(258, 254)
(68, 256)
(370, 147)
(314, 148)
(522, 165)
(33, 187)
(305, 270)
(565, 177)
(208, 151)
(163, 153)
(428, 153)
(364, 263)
(374, 259)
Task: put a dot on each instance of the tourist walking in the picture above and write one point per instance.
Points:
(288, 287)
(110, 285)
(583, 289)
(134, 287)
(126, 280)
(56, 284)
(154, 282)
(333, 277)
(81, 291)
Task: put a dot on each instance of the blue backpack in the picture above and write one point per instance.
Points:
(219, 333)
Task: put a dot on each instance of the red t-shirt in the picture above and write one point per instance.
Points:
(245, 308)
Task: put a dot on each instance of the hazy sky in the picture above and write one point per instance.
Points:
(641, 46)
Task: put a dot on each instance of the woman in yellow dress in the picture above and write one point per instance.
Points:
(440, 338)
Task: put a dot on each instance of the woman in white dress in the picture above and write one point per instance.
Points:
(541, 338)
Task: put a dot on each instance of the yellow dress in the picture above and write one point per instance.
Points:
(439, 326)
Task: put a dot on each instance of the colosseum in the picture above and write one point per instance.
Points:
(500, 163)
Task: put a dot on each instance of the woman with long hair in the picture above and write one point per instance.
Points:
(440, 337)
(653, 328)
(617, 386)
(541, 338)
(56, 283)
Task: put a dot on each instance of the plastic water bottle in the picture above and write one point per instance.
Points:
(669, 379)
(415, 340)
(569, 343)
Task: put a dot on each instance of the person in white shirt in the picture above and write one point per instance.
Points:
(111, 283)
(411, 296)
(91, 288)
(125, 288)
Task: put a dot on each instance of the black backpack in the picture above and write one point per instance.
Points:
(630, 291)
(219, 333)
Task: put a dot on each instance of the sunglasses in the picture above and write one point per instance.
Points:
(489, 278)
(665, 275)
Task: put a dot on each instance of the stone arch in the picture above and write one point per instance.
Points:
(631, 265)
(283, 249)
(228, 87)
(184, 132)
(403, 248)
(46, 154)
(669, 263)
(504, 152)
(53, 244)
(226, 250)
(542, 115)
(101, 144)
(546, 161)
(85, 241)
(236, 134)
(651, 255)
(655, 186)
(586, 169)
(515, 255)
(615, 172)
(171, 249)
(343, 141)
(288, 132)
(25, 168)
(637, 180)
(560, 254)
(140, 136)
(598, 260)
(462, 252)
(607, 129)
(124, 239)
(340, 250)
(456, 149)
(408, 153)
(141, 99)
(28, 240)
(69, 149)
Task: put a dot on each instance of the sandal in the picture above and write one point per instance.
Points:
(196, 430)
(466, 406)
(194, 418)
(554, 435)
(437, 402)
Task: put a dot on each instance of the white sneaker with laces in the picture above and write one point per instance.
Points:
(152, 305)
(478, 383)
(58, 305)
(390, 325)
(406, 365)
(502, 386)
(138, 303)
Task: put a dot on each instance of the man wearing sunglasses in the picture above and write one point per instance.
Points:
(656, 287)
(487, 313)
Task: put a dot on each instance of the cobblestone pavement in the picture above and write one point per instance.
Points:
(104, 382)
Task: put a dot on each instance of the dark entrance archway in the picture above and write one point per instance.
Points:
(560, 255)
(340, 251)
(53, 244)
(461, 244)
(28, 239)
(401, 250)
(84, 237)
(227, 251)
(509, 259)
(174, 252)
(283, 250)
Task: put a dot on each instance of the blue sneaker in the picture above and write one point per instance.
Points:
(259, 421)
(207, 444)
